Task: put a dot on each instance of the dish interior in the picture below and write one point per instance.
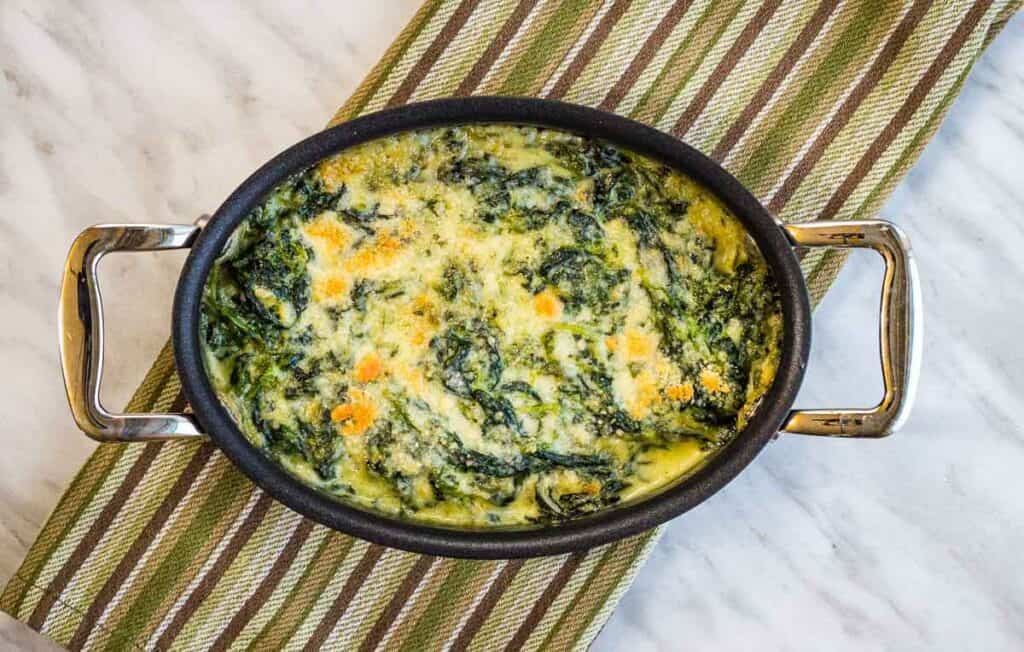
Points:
(490, 325)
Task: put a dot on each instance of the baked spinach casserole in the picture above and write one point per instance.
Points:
(490, 325)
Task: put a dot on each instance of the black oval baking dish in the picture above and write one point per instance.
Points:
(81, 339)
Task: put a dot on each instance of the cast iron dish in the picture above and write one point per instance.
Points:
(81, 339)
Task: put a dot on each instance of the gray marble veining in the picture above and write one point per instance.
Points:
(121, 111)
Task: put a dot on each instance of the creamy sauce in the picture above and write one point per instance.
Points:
(490, 325)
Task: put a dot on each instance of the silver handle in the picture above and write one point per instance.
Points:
(899, 329)
(80, 320)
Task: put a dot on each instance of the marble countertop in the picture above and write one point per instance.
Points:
(124, 112)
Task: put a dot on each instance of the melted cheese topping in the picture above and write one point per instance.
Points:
(491, 325)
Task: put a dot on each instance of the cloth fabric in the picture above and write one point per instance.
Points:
(818, 106)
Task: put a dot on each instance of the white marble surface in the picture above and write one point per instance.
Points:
(122, 111)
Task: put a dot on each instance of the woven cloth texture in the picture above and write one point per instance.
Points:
(819, 107)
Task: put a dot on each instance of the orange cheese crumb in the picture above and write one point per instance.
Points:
(418, 338)
(361, 260)
(330, 287)
(680, 392)
(380, 252)
(547, 305)
(638, 345)
(368, 368)
(388, 243)
(712, 382)
(357, 415)
(422, 304)
(330, 231)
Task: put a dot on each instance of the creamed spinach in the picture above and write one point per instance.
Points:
(490, 325)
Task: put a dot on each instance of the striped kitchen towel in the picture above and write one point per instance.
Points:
(818, 106)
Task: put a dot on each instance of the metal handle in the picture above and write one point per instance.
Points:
(80, 319)
(899, 329)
